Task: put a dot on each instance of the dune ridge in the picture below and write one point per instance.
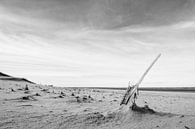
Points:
(4, 76)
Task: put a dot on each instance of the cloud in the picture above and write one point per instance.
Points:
(103, 14)
(97, 43)
(185, 25)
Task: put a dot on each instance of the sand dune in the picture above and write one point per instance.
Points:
(10, 78)
(26, 105)
(3, 75)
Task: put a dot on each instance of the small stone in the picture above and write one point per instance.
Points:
(37, 94)
(26, 88)
(12, 90)
(186, 127)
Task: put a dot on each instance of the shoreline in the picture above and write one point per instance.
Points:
(161, 89)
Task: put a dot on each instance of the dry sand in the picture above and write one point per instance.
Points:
(24, 105)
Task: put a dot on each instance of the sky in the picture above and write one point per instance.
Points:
(98, 43)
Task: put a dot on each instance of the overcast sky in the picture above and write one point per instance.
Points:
(98, 42)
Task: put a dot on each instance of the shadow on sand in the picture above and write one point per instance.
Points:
(147, 110)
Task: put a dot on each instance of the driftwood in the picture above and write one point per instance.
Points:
(132, 90)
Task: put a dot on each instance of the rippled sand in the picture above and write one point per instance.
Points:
(72, 108)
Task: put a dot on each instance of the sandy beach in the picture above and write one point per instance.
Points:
(97, 64)
(25, 105)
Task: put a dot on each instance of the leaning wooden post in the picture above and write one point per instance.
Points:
(132, 90)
